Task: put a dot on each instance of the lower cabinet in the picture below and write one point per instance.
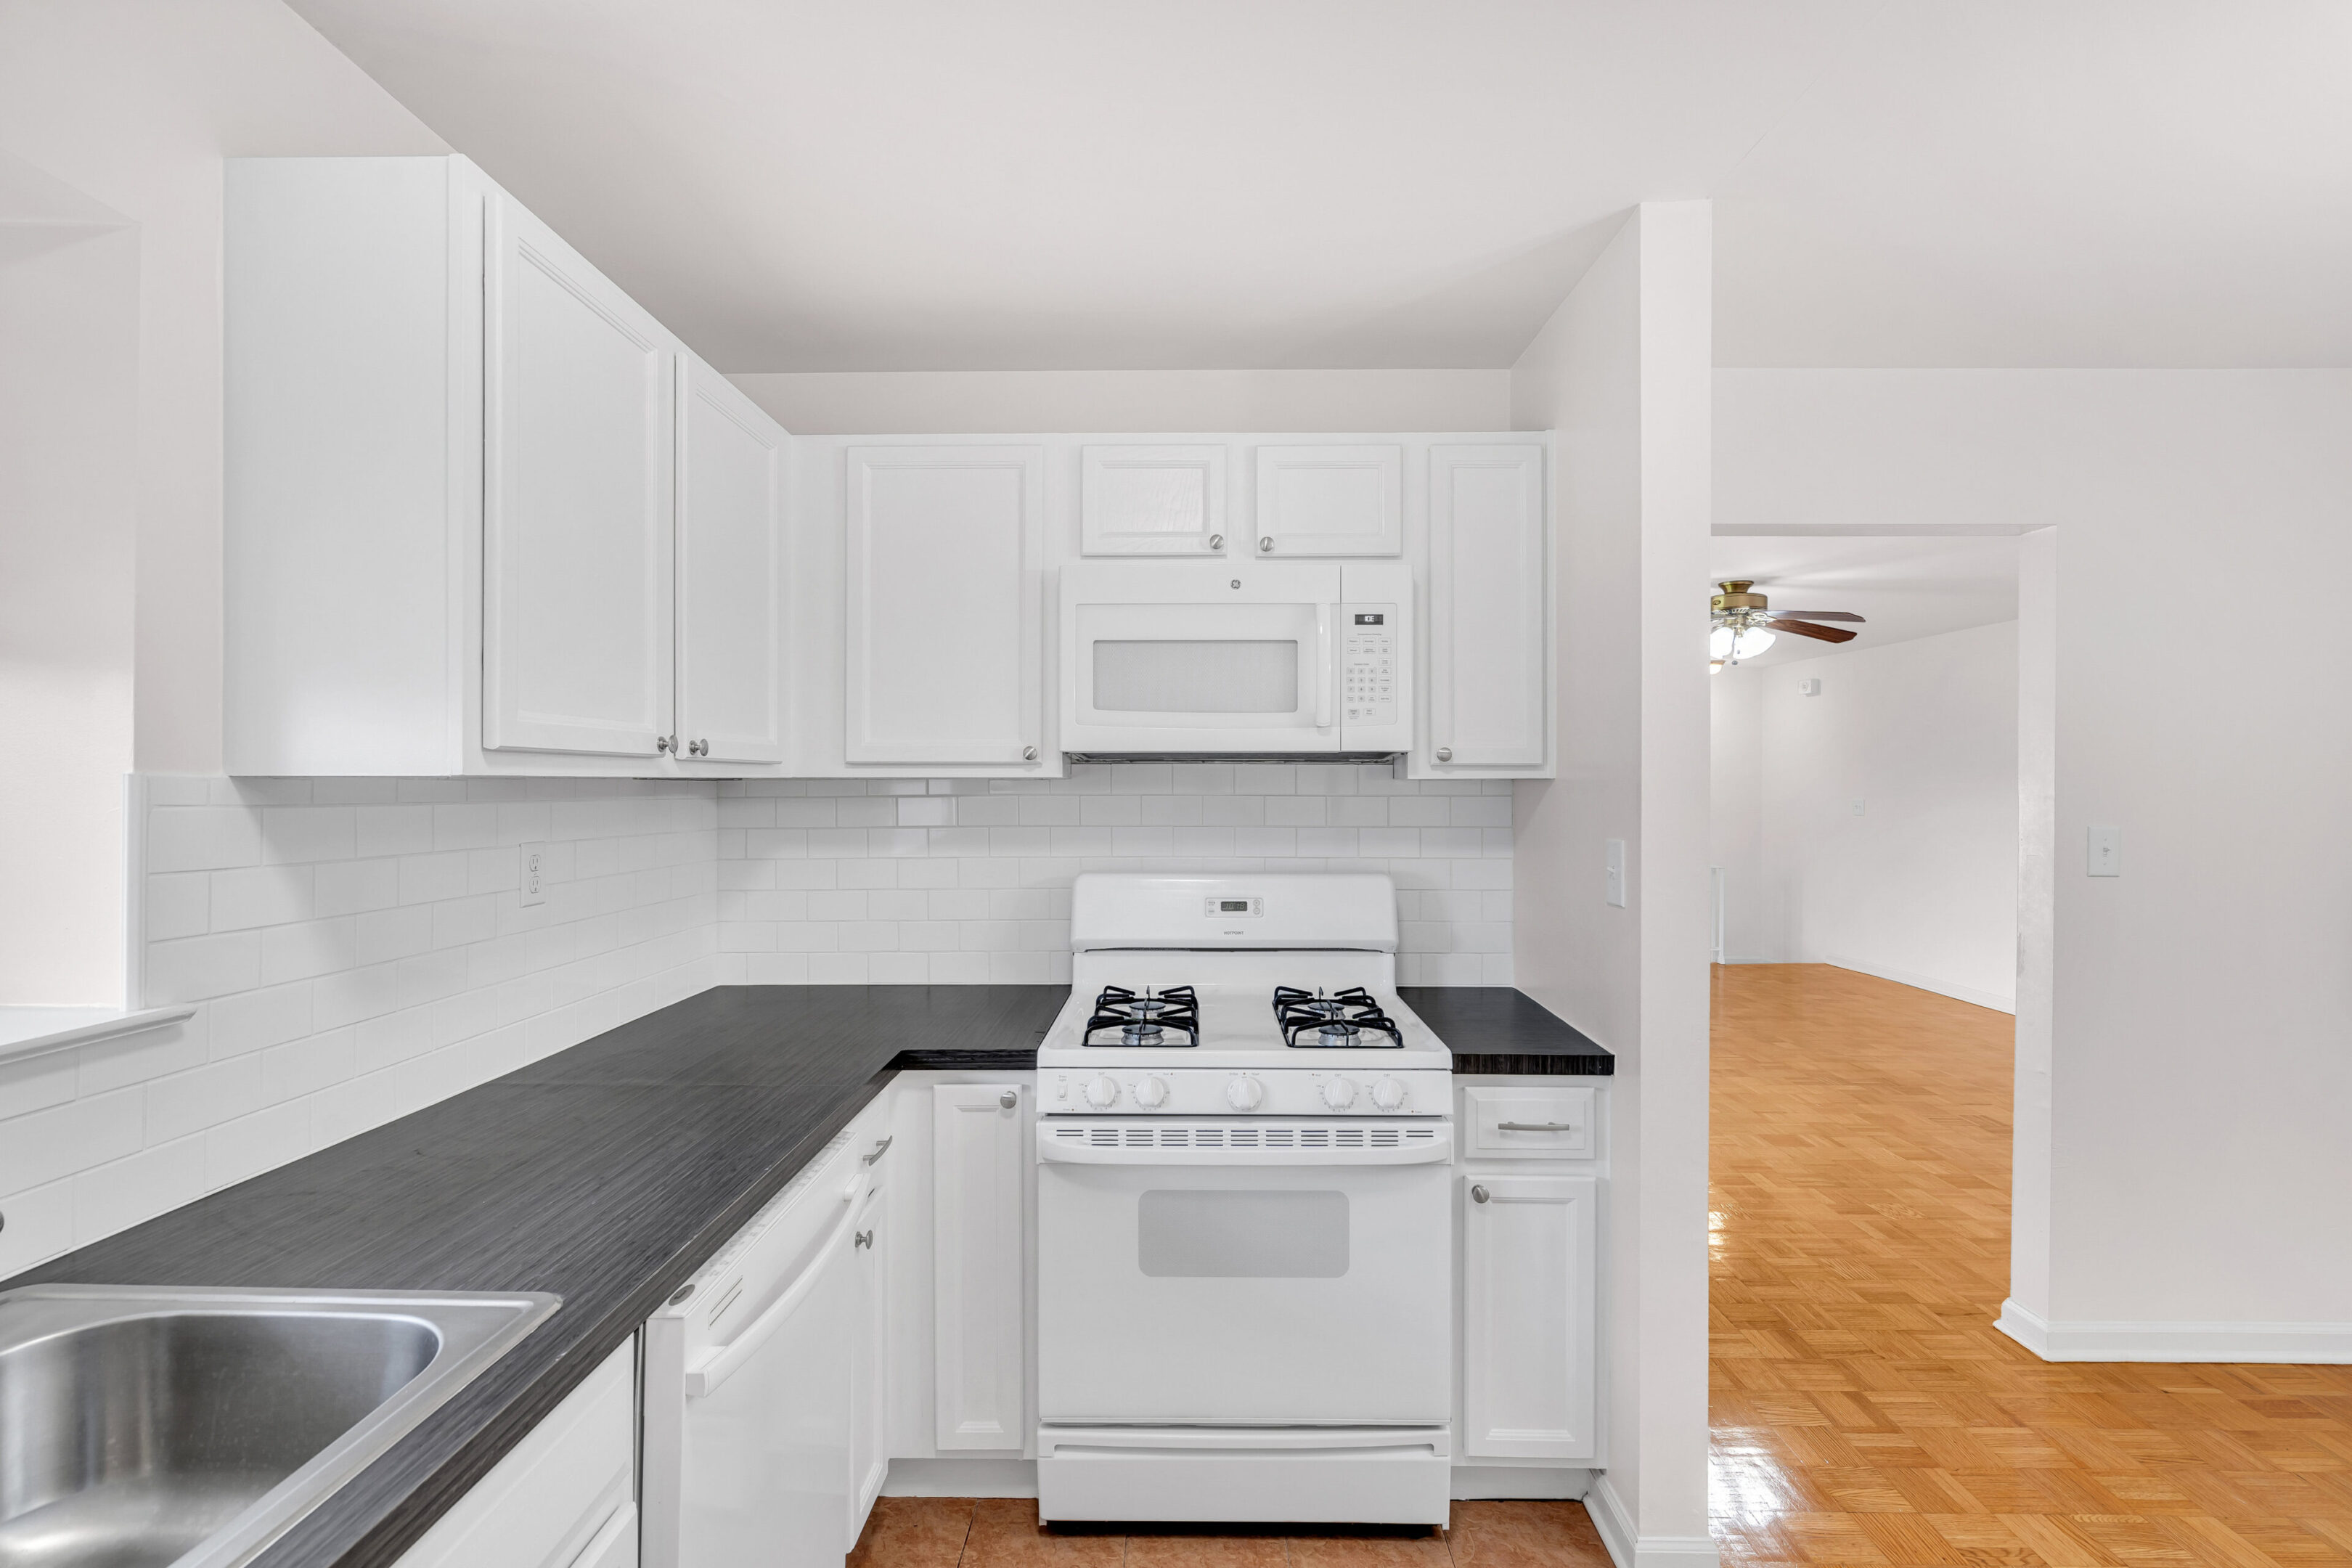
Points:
(979, 1162)
(1529, 1302)
(564, 1497)
(869, 1365)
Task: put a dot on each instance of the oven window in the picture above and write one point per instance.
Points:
(1190, 1235)
(1196, 675)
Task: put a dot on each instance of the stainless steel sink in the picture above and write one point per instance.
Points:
(143, 1427)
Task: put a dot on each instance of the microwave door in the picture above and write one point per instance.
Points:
(1249, 677)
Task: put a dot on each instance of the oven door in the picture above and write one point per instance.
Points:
(1182, 1280)
(1178, 658)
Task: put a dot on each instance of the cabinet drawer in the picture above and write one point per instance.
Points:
(1530, 1123)
(554, 1501)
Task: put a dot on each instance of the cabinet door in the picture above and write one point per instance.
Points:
(946, 605)
(730, 535)
(577, 502)
(1153, 501)
(978, 1162)
(869, 1404)
(1330, 501)
(1490, 592)
(1528, 1305)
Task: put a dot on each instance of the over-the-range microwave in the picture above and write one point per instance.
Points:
(1267, 659)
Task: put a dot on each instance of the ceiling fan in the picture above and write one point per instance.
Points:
(1744, 624)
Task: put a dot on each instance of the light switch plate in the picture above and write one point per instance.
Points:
(2106, 852)
(534, 873)
(1614, 877)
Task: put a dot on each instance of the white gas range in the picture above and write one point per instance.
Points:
(1244, 1232)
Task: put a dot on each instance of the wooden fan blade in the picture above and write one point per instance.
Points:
(1826, 634)
(1818, 616)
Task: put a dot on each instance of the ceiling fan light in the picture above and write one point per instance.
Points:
(1752, 641)
(1718, 644)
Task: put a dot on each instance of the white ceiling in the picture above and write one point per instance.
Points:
(1902, 587)
(1327, 184)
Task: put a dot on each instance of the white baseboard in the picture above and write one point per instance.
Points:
(1999, 1002)
(1629, 1550)
(1473, 1482)
(962, 1477)
(2304, 1344)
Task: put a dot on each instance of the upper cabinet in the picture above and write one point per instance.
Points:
(1488, 706)
(1330, 501)
(484, 514)
(731, 476)
(946, 612)
(578, 503)
(1152, 500)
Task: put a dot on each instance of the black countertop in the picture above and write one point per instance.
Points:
(1495, 1030)
(608, 1173)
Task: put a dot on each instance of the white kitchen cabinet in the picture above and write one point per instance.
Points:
(578, 499)
(946, 607)
(564, 1497)
(1488, 664)
(978, 1164)
(1330, 501)
(869, 1372)
(1152, 500)
(731, 476)
(1528, 1303)
(451, 497)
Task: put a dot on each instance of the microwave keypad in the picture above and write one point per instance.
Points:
(1367, 668)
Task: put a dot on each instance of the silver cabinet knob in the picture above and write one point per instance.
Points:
(1265, 544)
(665, 743)
(700, 748)
(1009, 1099)
(1216, 541)
(1028, 753)
(1444, 753)
(865, 1238)
(1479, 1195)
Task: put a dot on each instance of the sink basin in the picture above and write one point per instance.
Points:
(141, 1427)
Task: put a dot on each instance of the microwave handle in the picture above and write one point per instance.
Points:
(1322, 666)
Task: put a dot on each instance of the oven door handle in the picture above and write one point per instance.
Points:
(1055, 1149)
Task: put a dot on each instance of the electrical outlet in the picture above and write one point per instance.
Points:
(1613, 875)
(534, 873)
(2106, 852)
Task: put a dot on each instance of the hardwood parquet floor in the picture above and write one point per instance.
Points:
(1864, 1408)
(1003, 1533)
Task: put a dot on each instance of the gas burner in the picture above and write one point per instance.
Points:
(1146, 1020)
(1348, 1021)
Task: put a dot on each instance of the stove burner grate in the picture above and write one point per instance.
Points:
(1348, 1021)
(1146, 1020)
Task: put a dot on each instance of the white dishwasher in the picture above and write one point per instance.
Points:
(747, 1387)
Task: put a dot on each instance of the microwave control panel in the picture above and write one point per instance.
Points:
(1368, 664)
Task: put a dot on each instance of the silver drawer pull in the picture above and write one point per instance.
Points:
(1478, 1194)
(1535, 1126)
(880, 1150)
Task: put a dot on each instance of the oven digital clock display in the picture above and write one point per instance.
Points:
(1218, 907)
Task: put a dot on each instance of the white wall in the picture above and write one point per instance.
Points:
(2180, 1143)
(68, 411)
(967, 882)
(1735, 837)
(358, 950)
(1920, 884)
(135, 103)
(885, 403)
(1622, 372)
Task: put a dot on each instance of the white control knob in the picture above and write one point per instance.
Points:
(1151, 1093)
(1339, 1094)
(1244, 1093)
(1388, 1094)
(1102, 1091)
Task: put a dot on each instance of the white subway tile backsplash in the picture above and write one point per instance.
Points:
(358, 949)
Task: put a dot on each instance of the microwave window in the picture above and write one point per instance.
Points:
(1196, 675)
(1189, 1234)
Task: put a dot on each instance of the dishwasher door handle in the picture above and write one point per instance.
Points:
(722, 1364)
